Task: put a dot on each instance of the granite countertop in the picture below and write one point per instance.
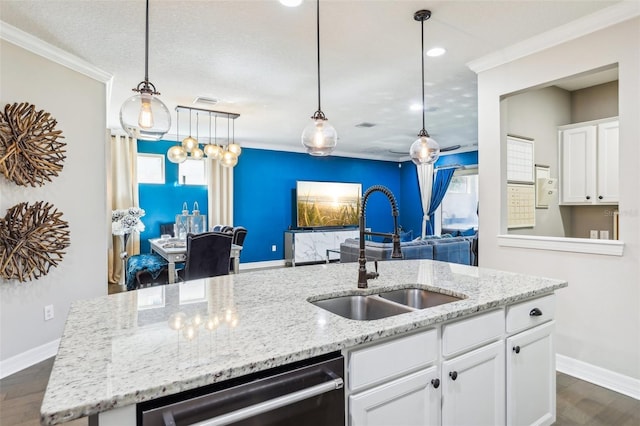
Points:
(126, 348)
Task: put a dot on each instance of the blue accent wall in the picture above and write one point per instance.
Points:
(264, 193)
(410, 196)
(162, 203)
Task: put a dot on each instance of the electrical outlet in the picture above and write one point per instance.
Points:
(273, 248)
(604, 235)
(593, 234)
(48, 312)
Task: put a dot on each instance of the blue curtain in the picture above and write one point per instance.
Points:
(441, 182)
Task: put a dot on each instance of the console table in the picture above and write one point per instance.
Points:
(311, 246)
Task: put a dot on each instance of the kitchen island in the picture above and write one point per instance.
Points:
(122, 349)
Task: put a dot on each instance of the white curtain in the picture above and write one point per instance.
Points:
(123, 193)
(220, 193)
(425, 181)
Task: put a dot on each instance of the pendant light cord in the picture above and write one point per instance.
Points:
(318, 46)
(422, 57)
(146, 46)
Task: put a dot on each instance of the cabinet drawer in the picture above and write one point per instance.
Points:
(385, 361)
(530, 313)
(470, 333)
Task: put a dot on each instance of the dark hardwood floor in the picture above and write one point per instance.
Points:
(578, 402)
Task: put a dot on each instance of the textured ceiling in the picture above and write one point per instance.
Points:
(259, 59)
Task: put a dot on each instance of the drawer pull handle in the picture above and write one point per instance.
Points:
(600, 197)
(435, 383)
(453, 375)
(535, 312)
(588, 197)
(516, 349)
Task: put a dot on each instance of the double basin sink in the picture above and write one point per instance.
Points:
(384, 304)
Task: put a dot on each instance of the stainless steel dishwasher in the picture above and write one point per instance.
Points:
(306, 393)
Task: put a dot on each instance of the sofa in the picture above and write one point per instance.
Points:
(446, 249)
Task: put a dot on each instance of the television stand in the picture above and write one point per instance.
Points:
(311, 246)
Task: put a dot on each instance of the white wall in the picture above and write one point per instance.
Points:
(78, 103)
(598, 315)
(537, 114)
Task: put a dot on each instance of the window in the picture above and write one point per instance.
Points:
(460, 204)
(191, 172)
(150, 168)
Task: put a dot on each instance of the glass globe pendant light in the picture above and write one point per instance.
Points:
(143, 116)
(319, 137)
(228, 158)
(425, 150)
(196, 152)
(189, 143)
(233, 146)
(177, 154)
(212, 150)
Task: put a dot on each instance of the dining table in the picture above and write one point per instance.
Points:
(174, 251)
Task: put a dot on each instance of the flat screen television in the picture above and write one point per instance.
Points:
(327, 204)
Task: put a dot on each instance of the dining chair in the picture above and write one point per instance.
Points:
(167, 229)
(239, 234)
(207, 255)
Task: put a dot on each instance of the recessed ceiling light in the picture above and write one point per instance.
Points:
(416, 107)
(291, 3)
(436, 51)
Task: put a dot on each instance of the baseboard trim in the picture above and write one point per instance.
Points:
(263, 264)
(28, 358)
(599, 376)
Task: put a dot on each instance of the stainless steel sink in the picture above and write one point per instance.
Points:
(361, 307)
(418, 298)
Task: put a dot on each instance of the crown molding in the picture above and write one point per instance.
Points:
(42, 48)
(612, 15)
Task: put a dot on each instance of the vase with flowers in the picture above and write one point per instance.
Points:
(123, 223)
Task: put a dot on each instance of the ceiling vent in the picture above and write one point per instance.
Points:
(365, 124)
(206, 100)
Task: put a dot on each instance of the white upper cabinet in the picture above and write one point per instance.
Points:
(608, 162)
(589, 163)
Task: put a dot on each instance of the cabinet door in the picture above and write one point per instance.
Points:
(410, 400)
(531, 377)
(578, 162)
(608, 160)
(473, 388)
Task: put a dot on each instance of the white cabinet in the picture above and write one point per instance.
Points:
(395, 382)
(495, 368)
(530, 358)
(473, 388)
(531, 377)
(589, 163)
(314, 246)
(410, 400)
(608, 163)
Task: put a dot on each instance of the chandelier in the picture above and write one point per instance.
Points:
(193, 148)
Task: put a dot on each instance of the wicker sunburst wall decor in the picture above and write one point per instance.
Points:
(32, 240)
(31, 152)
